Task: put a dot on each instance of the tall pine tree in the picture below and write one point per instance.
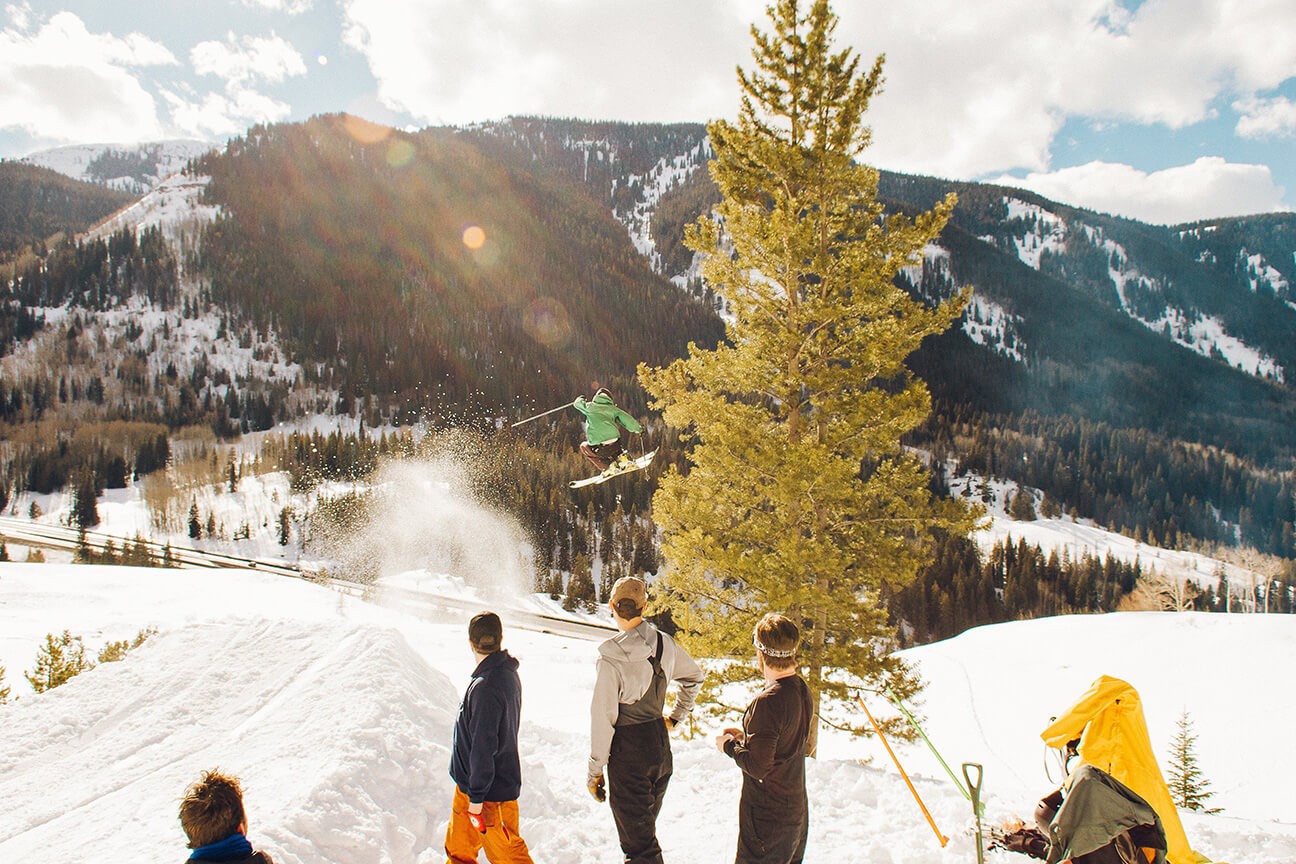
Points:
(799, 497)
(85, 508)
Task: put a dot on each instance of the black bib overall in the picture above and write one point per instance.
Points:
(639, 768)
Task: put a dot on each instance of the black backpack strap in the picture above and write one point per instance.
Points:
(660, 645)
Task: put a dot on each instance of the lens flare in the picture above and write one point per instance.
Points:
(365, 131)
(400, 153)
(474, 237)
(546, 321)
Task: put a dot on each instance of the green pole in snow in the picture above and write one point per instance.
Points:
(895, 700)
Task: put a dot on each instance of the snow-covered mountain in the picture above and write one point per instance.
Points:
(1048, 238)
(187, 338)
(133, 168)
(1221, 289)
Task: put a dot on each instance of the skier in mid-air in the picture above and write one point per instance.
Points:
(602, 444)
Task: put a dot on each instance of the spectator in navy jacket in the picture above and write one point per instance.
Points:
(215, 822)
(484, 763)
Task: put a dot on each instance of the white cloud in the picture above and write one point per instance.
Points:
(1209, 187)
(218, 115)
(64, 83)
(971, 87)
(1266, 118)
(19, 16)
(977, 87)
(290, 7)
(452, 62)
(240, 60)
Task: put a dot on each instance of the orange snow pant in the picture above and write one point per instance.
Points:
(504, 845)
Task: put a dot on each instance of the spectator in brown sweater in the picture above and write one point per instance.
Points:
(770, 748)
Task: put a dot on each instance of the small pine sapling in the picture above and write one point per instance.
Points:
(59, 660)
(1189, 787)
(114, 651)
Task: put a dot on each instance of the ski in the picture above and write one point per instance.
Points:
(634, 465)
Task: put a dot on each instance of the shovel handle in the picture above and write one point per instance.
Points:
(974, 785)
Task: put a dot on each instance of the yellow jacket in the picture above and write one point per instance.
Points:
(1108, 720)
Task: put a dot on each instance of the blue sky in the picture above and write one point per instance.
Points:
(1166, 110)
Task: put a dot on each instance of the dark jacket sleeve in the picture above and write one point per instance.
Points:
(484, 738)
(755, 754)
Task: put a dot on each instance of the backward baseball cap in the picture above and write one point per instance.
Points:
(485, 632)
(630, 588)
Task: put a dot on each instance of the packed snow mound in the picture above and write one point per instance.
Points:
(339, 732)
(336, 713)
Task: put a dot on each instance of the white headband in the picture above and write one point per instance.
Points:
(771, 652)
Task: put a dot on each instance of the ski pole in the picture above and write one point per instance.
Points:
(878, 729)
(977, 806)
(895, 700)
(543, 413)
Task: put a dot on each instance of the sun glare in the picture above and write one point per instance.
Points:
(399, 153)
(474, 237)
(365, 131)
(547, 322)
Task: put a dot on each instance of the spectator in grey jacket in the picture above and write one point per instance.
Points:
(629, 734)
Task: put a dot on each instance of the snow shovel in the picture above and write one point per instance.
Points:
(975, 787)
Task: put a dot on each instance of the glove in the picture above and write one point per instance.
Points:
(1027, 841)
(671, 722)
(477, 822)
(597, 787)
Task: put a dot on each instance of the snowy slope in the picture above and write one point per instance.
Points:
(1079, 537)
(174, 206)
(336, 714)
(1042, 231)
(153, 161)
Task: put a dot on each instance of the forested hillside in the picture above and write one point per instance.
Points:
(429, 274)
(36, 203)
(1234, 272)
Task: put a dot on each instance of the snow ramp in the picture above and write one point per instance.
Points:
(339, 732)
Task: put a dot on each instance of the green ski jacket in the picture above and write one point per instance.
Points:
(601, 419)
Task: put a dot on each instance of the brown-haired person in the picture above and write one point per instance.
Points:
(484, 761)
(770, 748)
(213, 819)
(629, 732)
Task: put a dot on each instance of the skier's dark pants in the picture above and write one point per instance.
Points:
(771, 833)
(639, 768)
(601, 455)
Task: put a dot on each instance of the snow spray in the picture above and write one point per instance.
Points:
(419, 516)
